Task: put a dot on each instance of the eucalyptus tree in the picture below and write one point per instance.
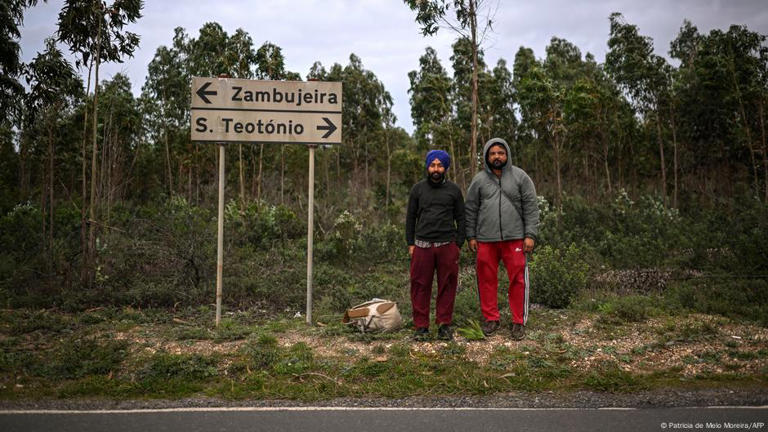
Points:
(523, 63)
(430, 91)
(473, 19)
(165, 96)
(94, 31)
(12, 93)
(270, 64)
(541, 105)
(11, 19)
(389, 119)
(433, 111)
(462, 63)
(642, 74)
(241, 59)
(54, 88)
(206, 55)
(121, 120)
(502, 102)
(362, 111)
(722, 91)
(543, 89)
(592, 110)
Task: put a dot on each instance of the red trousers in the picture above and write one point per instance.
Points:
(488, 256)
(424, 262)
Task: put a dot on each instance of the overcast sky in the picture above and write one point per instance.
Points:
(384, 35)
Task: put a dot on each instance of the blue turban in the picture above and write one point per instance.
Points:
(443, 156)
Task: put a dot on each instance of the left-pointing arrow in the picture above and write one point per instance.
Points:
(202, 93)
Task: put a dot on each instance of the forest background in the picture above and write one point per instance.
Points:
(652, 178)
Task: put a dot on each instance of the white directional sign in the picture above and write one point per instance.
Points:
(228, 109)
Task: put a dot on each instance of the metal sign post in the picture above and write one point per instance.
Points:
(310, 229)
(220, 241)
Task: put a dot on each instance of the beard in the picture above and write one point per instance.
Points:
(497, 164)
(437, 177)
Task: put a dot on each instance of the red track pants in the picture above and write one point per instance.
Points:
(424, 262)
(488, 256)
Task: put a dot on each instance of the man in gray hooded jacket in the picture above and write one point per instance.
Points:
(502, 219)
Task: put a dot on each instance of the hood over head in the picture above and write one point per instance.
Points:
(492, 142)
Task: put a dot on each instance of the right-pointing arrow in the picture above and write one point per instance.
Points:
(330, 127)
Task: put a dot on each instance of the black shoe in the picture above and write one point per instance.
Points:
(445, 332)
(489, 327)
(421, 333)
(518, 331)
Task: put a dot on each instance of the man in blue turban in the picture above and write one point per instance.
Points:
(434, 230)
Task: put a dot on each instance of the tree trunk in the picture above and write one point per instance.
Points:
(51, 153)
(661, 155)
(102, 190)
(674, 155)
(556, 147)
(168, 164)
(83, 224)
(367, 184)
(765, 148)
(389, 165)
(460, 176)
(94, 149)
(743, 115)
(473, 143)
(23, 171)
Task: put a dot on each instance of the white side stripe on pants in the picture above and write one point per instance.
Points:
(527, 287)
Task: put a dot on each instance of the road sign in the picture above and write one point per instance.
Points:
(302, 112)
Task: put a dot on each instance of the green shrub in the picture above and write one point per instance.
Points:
(557, 275)
(628, 309)
(260, 224)
(81, 357)
(21, 258)
(261, 354)
(295, 360)
(727, 296)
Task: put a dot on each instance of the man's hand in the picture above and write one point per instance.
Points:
(410, 250)
(473, 245)
(528, 244)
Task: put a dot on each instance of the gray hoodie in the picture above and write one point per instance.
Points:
(499, 209)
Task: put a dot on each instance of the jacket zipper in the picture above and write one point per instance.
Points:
(501, 232)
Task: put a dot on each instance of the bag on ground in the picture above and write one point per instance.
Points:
(377, 315)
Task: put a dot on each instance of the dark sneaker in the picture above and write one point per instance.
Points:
(445, 332)
(421, 333)
(518, 331)
(489, 327)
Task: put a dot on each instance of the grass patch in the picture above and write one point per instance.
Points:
(78, 355)
(609, 377)
(77, 358)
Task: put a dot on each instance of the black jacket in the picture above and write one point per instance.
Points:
(435, 213)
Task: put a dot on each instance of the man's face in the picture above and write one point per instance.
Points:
(436, 170)
(497, 156)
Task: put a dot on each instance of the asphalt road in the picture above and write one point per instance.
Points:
(387, 419)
